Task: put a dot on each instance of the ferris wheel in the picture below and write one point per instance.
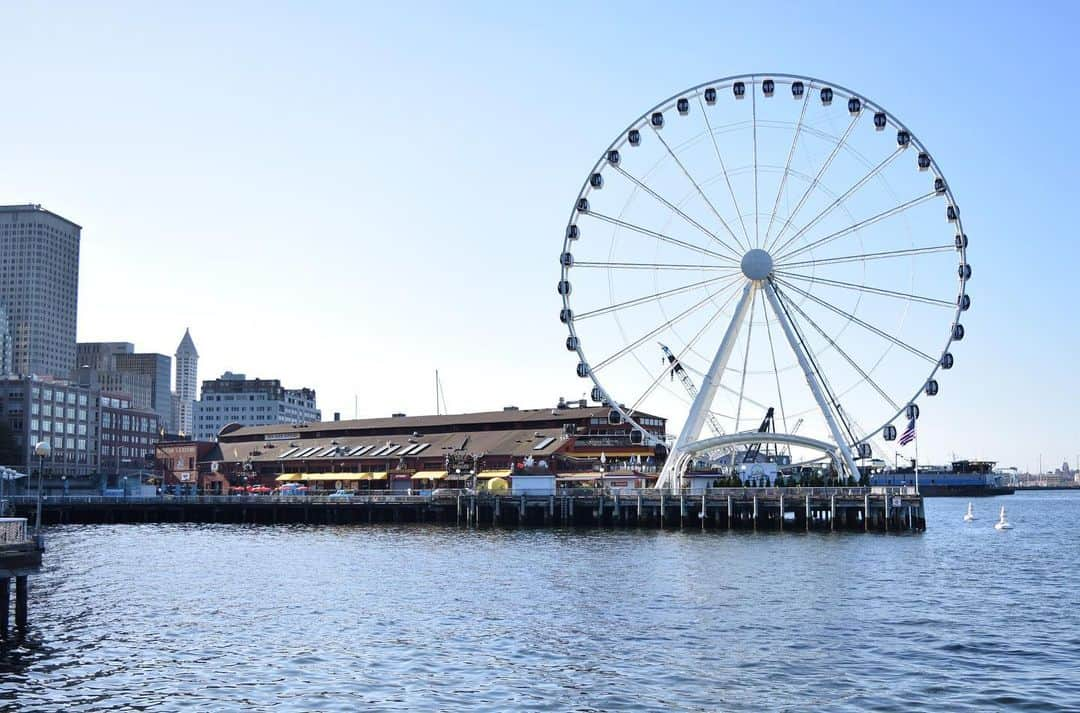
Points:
(787, 246)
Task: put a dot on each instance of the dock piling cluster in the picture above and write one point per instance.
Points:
(780, 509)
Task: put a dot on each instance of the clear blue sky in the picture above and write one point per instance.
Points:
(349, 197)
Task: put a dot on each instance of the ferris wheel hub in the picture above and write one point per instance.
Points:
(757, 264)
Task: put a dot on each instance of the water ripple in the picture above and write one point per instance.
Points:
(295, 618)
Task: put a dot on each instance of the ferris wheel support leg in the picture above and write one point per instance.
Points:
(812, 381)
(699, 410)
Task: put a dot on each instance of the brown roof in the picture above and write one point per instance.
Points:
(480, 419)
(501, 443)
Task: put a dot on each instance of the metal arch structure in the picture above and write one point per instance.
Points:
(748, 437)
(759, 267)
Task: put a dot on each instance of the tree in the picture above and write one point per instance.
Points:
(10, 453)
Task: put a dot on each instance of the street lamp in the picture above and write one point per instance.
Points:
(42, 450)
(64, 478)
(125, 486)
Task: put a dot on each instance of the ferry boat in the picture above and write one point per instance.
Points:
(962, 477)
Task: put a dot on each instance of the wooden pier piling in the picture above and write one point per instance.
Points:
(5, 605)
(814, 509)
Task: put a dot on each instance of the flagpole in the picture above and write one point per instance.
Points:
(916, 461)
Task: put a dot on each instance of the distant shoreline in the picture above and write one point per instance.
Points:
(1047, 487)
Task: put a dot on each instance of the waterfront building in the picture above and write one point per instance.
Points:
(39, 281)
(573, 440)
(55, 411)
(185, 466)
(235, 399)
(127, 438)
(187, 375)
(97, 438)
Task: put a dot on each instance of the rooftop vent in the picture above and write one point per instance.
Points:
(510, 408)
(397, 415)
(582, 403)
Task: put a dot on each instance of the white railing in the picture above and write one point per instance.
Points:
(12, 530)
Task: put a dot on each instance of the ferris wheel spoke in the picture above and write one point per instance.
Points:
(881, 392)
(660, 236)
(757, 222)
(896, 210)
(653, 297)
(686, 349)
(776, 369)
(844, 196)
(787, 165)
(812, 367)
(653, 332)
(746, 361)
(727, 178)
(867, 288)
(675, 209)
(852, 318)
(652, 266)
(888, 254)
(817, 178)
(696, 186)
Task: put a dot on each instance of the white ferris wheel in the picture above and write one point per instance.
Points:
(782, 243)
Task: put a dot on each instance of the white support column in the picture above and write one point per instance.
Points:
(811, 380)
(699, 410)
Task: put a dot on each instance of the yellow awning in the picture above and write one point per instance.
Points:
(497, 485)
(284, 477)
(429, 475)
(312, 477)
(376, 476)
(493, 473)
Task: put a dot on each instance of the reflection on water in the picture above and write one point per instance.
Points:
(226, 617)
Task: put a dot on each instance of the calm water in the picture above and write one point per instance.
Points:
(179, 617)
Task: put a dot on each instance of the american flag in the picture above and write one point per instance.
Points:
(909, 433)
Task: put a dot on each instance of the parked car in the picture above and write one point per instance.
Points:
(340, 494)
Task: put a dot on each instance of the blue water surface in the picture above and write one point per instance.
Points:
(343, 618)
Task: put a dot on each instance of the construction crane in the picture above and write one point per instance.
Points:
(766, 426)
(677, 370)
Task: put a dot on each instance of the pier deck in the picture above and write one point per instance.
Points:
(894, 509)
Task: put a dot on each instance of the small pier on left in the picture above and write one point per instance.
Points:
(20, 557)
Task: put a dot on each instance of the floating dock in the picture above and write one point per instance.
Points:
(782, 509)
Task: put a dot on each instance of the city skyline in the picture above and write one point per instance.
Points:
(426, 249)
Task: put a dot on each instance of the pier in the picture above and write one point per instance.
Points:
(894, 509)
(20, 556)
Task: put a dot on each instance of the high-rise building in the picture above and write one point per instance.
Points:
(187, 375)
(158, 368)
(39, 284)
(7, 367)
(252, 402)
(98, 369)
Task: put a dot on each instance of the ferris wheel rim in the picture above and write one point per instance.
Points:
(628, 413)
